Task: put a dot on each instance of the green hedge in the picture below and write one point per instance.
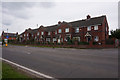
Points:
(109, 42)
(83, 43)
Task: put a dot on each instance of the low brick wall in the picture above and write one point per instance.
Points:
(74, 45)
(80, 46)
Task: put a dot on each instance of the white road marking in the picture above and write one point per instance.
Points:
(28, 69)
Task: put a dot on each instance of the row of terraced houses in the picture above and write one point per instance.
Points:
(90, 29)
(93, 29)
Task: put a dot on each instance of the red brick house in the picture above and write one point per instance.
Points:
(90, 29)
(9, 36)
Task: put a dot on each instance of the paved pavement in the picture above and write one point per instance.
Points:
(66, 63)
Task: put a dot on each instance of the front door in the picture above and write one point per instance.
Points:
(88, 39)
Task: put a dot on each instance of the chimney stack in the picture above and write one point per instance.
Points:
(59, 22)
(88, 16)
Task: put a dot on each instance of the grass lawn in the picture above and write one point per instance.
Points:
(9, 72)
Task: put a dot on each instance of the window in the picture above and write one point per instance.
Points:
(89, 28)
(48, 33)
(77, 30)
(35, 37)
(24, 34)
(76, 38)
(38, 33)
(67, 30)
(95, 27)
(32, 35)
(27, 38)
(59, 31)
(54, 39)
(42, 33)
(55, 32)
(48, 39)
(96, 38)
(27, 34)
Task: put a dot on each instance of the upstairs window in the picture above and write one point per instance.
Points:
(32, 35)
(38, 33)
(67, 30)
(42, 33)
(48, 33)
(77, 30)
(48, 39)
(56, 32)
(96, 38)
(59, 31)
(95, 27)
(27, 34)
(89, 28)
(24, 34)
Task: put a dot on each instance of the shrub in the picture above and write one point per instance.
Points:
(83, 43)
(109, 42)
(95, 43)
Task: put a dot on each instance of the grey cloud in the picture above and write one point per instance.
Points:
(6, 23)
(18, 9)
(119, 14)
(16, 5)
(47, 4)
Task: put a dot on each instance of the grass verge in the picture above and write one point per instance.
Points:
(8, 72)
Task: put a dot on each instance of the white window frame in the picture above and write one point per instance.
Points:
(27, 34)
(66, 30)
(77, 30)
(96, 27)
(24, 34)
(42, 33)
(96, 38)
(48, 33)
(54, 39)
(38, 33)
(89, 28)
(59, 30)
(56, 32)
(32, 35)
(27, 38)
(48, 39)
(78, 38)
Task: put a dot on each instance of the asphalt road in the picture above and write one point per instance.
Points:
(66, 63)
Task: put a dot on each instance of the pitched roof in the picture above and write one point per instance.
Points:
(51, 28)
(88, 22)
(32, 30)
(78, 23)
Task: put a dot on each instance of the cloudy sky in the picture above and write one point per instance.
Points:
(18, 16)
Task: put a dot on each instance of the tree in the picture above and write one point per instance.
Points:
(115, 33)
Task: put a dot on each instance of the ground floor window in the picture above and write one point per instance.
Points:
(58, 40)
(54, 39)
(96, 38)
(76, 38)
(48, 39)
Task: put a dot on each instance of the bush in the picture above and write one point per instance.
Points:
(83, 43)
(109, 42)
(95, 43)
